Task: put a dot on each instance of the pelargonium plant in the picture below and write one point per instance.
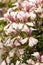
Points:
(21, 34)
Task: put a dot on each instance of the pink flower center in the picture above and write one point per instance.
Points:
(11, 18)
(25, 19)
(29, 33)
(19, 6)
(28, 8)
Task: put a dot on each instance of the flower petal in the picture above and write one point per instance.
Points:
(36, 55)
(23, 41)
(32, 41)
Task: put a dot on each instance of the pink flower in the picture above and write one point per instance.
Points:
(19, 6)
(28, 7)
(37, 56)
(16, 43)
(32, 41)
(30, 62)
(11, 18)
(38, 1)
(10, 10)
(25, 19)
(42, 58)
(29, 33)
(22, 16)
(25, 29)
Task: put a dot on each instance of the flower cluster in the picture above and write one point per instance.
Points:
(22, 19)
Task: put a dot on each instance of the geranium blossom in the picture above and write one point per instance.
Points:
(30, 62)
(36, 1)
(37, 56)
(21, 34)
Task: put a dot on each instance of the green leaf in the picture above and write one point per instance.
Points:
(23, 34)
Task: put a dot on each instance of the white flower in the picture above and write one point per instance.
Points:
(22, 16)
(9, 10)
(17, 62)
(21, 51)
(27, 5)
(38, 1)
(3, 63)
(33, 1)
(16, 4)
(16, 43)
(37, 55)
(30, 61)
(8, 29)
(8, 60)
(23, 41)
(32, 41)
(38, 10)
(16, 26)
(8, 42)
(24, 3)
(32, 15)
(32, 29)
(20, 26)
(15, 7)
(27, 15)
(25, 29)
(31, 4)
(11, 53)
(11, 17)
(6, 16)
(13, 14)
(30, 24)
(42, 58)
